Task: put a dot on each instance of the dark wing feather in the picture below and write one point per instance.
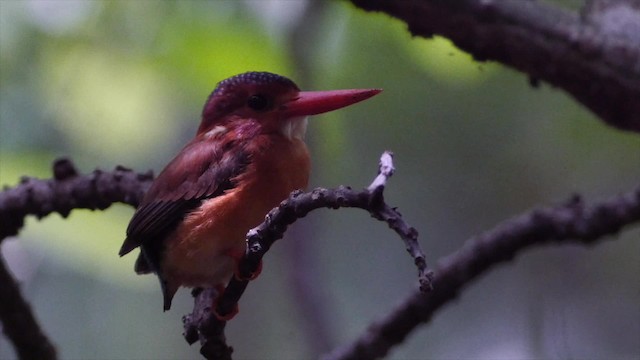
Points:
(154, 220)
(199, 172)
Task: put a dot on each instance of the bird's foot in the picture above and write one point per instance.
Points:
(251, 276)
(226, 317)
(237, 257)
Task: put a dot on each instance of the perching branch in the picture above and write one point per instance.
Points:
(210, 330)
(594, 55)
(572, 222)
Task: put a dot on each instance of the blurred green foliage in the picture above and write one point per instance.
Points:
(123, 82)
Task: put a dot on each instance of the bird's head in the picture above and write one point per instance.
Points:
(272, 102)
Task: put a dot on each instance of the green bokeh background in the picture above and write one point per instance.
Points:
(123, 82)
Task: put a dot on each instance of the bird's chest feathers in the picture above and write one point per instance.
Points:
(218, 227)
(278, 167)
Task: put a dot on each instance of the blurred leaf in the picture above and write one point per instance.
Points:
(207, 52)
(106, 103)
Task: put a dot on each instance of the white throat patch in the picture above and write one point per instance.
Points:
(295, 128)
(215, 132)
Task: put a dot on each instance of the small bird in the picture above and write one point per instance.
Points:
(247, 156)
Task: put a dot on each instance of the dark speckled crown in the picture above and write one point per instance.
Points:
(253, 77)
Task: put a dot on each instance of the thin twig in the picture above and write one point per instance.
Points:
(572, 222)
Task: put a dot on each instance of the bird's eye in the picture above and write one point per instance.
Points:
(258, 102)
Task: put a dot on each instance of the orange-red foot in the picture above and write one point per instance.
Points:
(237, 256)
(225, 317)
(252, 276)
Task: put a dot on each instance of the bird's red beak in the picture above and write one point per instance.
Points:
(318, 102)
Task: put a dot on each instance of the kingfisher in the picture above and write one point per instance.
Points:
(247, 156)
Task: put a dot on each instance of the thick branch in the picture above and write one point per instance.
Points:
(594, 56)
(209, 329)
(573, 222)
(67, 191)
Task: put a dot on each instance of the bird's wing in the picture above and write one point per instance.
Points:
(199, 172)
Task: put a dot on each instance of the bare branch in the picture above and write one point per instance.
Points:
(67, 191)
(594, 56)
(18, 322)
(572, 222)
(209, 329)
